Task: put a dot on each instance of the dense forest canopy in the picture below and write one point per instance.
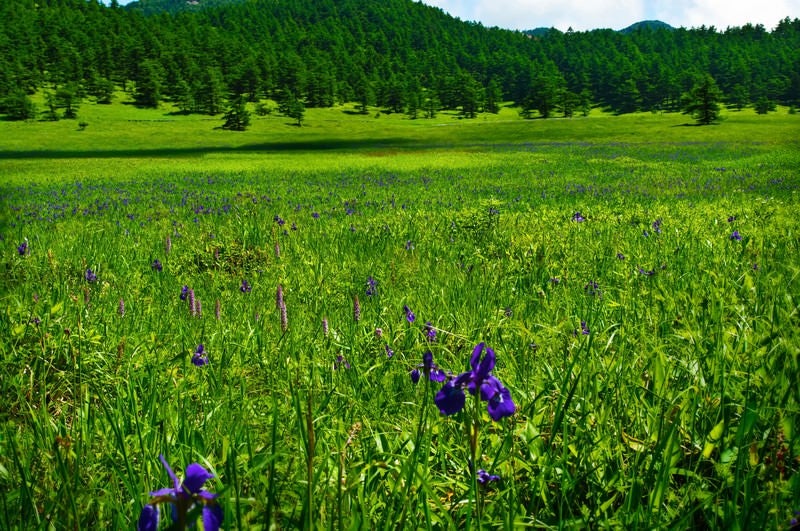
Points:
(401, 55)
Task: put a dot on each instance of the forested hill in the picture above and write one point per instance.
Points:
(399, 54)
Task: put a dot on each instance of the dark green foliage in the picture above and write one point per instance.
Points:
(373, 52)
(702, 102)
(18, 106)
(237, 117)
(67, 98)
(763, 105)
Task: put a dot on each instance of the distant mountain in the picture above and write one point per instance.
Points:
(646, 25)
(638, 26)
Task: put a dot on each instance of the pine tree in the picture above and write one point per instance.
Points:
(702, 102)
(237, 117)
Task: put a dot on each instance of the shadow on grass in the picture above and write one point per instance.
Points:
(268, 147)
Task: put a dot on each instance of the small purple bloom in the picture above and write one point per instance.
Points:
(409, 245)
(731, 219)
(315, 215)
(156, 265)
(200, 358)
(340, 362)
(410, 317)
(22, 249)
(578, 218)
(592, 288)
(245, 287)
(620, 256)
(121, 307)
(484, 477)
(184, 292)
(389, 351)
(356, 309)
(378, 332)
(430, 332)
(372, 286)
(280, 221)
(736, 236)
(90, 276)
(646, 273)
(429, 369)
(657, 226)
(555, 281)
(584, 328)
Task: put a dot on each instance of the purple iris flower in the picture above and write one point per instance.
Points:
(184, 292)
(578, 218)
(183, 497)
(245, 287)
(200, 358)
(90, 276)
(430, 332)
(484, 477)
(22, 249)
(410, 317)
(736, 236)
(156, 265)
(450, 399)
(315, 215)
(429, 368)
(372, 286)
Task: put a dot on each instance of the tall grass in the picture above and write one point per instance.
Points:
(652, 356)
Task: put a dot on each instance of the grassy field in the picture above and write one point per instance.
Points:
(637, 278)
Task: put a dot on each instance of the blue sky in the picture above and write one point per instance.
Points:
(584, 15)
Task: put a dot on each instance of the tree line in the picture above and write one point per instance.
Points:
(399, 55)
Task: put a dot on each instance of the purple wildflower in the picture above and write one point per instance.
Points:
(620, 256)
(378, 332)
(646, 273)
(372, 286)
(409, 245)
(356, 309)
(429, 369)
(156, 265)
(657, 226)
(315, 215)
(200, 358)
(410, 317)
(279, 297)
(430, 332)
(484, 477)
(451, 399)
(22, 249)
(277, 250)
(584, 328)
(184, 292)
(555, 281)
(192, 305)
(578, 218)
(736, 236)
(121, 307)
(341, 362)
(731, 219)
(592, 288)
(325, 329)
(90, 276)
(183, 497)
(279, 220)
(389, 351)
(245, 287)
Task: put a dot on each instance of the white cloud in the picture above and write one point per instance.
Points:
(585, 15)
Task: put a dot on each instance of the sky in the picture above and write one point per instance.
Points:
(583, 15)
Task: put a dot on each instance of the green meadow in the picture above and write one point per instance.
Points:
(636, 276)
